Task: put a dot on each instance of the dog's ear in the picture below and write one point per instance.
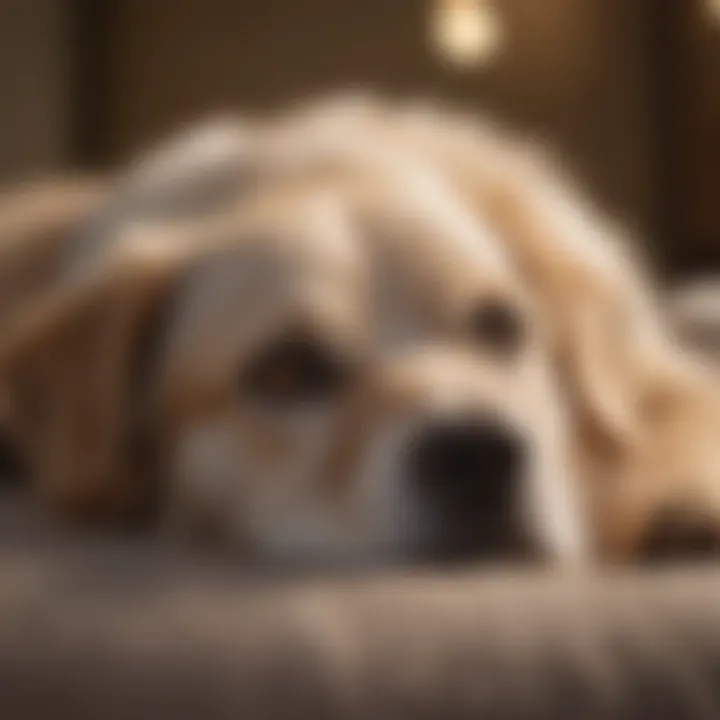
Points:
(607, 367)
(192, 175)
(607, 330)
(195, 172)
(39, 222)
(74, 366)
(599, 307)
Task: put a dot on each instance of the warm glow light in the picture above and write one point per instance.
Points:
(467, 32)
(713, 7)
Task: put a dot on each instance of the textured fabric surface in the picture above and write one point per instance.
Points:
(117, 629)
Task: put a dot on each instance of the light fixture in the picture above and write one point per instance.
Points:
(466, 33)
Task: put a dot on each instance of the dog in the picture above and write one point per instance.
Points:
(360, 332)
(628, 376)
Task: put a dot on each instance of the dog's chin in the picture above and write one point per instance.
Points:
(433, 542)
(436, 550)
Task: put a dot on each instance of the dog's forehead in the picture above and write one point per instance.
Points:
(308, 221)
(286, 251)
(350, 250)
(430, 250)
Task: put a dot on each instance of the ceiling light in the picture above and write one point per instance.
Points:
(467, 33)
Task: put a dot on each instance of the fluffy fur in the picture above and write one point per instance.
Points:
(376, 237)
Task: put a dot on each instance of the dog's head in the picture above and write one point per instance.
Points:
(363, 374)
(351, 370)
(363, 333)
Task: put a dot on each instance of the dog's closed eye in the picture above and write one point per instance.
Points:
(294, 370)
(498, 326)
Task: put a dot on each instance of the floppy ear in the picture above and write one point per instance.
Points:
(608, 330)
(195, 172)
(74, 367)
(39, 221)
(597, 305)
(38, 224)
(192, 174)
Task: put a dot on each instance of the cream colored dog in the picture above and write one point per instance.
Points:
(354, 332)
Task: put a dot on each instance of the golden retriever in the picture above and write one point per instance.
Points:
(644, 410)
(357, 332)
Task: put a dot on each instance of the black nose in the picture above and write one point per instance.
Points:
(468, 468)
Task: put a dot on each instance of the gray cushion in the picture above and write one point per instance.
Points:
(117, 629)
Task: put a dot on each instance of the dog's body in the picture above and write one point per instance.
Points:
(359, 331)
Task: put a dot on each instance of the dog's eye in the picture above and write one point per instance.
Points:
(292, 371)
(498, 326)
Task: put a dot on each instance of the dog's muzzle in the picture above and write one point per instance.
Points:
(468, 474)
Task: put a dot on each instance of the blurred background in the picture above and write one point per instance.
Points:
(627, 90)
